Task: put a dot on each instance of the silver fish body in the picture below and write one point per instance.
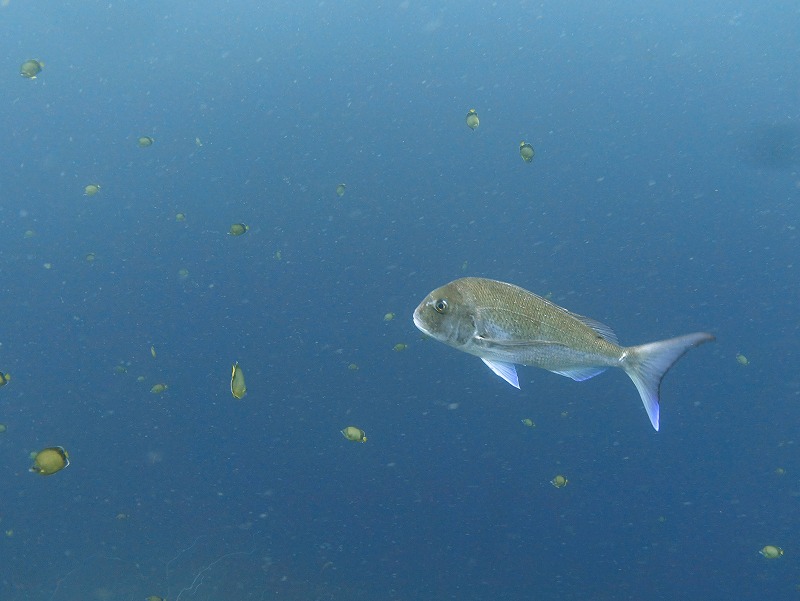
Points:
(506, 325)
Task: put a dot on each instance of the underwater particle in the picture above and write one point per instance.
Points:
(238, 388)
(779, 471)
(742, 360)
(180, 217)
(528, 422)
(465, 266)
(153, 351)
(29, 234)
(183, 273)
(90, 257)
(158, 388)
(120, 369)
(278, 255)
(140, 378)
(31, 68)
(388, 317)
(559, 481)
(145, 141)
(237, 229)
(354, 434)
(472, 119)
(340, 189)
(3, 428)
(47, 265)
(10, 532)
(353, 367)
(49, 461)
(4, 379)
(91, 189)
(771, 552)
(121, 516)
(399, 347)
(526, 151)
(198, 143)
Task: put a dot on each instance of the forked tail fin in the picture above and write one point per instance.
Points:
(646, 365)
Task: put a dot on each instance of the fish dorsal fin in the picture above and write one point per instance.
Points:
(580, 374)
(606, 332)
(507, 371)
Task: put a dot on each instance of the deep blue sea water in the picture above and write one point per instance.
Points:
(662, 200)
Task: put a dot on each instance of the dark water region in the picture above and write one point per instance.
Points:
(661, 200)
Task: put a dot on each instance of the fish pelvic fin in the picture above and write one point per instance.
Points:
(507, 371)
(647, 364)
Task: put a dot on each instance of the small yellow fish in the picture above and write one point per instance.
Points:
(49, 461)
(472, 119)
(526, 151)
(771, 552)
(238, 388)
(354, 434)
(31, 68)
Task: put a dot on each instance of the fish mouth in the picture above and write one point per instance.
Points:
(418, 321)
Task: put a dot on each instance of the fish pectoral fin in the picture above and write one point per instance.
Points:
(580, 374)
(507, 371)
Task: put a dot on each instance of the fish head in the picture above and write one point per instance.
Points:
(447, 315)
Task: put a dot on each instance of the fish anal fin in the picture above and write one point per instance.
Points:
(581, 373)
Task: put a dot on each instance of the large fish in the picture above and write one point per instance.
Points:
(504, 324)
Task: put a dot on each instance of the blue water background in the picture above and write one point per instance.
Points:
(662, 200)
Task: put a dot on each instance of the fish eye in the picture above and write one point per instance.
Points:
(440, 305)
